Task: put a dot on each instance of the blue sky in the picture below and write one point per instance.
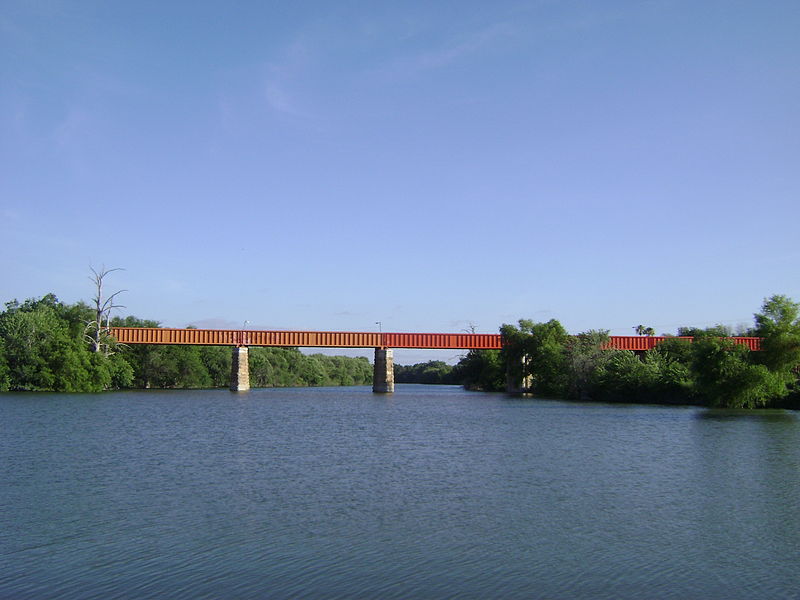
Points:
(327, 165)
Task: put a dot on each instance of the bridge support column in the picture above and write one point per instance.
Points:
(383, 373)
(240, 370)
(518, 380)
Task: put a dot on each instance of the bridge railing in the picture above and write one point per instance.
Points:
(307, 339)
(238, 337)
(639, 343)
(350, 339)
(464, 341)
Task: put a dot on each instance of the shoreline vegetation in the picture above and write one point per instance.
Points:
(46, 345)
(708, 371)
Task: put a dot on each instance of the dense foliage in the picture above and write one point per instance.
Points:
(431, 372)
(710, 370)
(44, 347)
(482, 370)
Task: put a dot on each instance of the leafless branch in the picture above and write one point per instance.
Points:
(96, 332)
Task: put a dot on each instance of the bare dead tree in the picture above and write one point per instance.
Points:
(96, 330)
(470, 328)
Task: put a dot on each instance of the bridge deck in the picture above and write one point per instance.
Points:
(350, 339)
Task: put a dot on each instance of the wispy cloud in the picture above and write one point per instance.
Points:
(280, 99)
(276, 86)
(452, 50)
(348, 313)
(284, 76)
(292, 82)
(8, 215)
(463, 47)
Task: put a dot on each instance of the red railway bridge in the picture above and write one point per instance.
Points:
(383, 343)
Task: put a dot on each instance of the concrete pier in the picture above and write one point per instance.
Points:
(383, 373)
(518, 381)
(240, 370)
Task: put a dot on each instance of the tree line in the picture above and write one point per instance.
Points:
(47, 345)
(710, 370)
(434, 372)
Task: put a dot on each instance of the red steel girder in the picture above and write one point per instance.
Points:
(352, 339)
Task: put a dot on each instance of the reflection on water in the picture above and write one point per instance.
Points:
(430, 493)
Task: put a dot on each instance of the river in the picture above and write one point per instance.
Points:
(431, 492)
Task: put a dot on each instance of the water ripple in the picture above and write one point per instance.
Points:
(434, 493)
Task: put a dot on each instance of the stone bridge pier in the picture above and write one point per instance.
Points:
(240, 369)
(382, 375)
(519, 380)
(383, 371)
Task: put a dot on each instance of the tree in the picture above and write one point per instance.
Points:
(97, 328)
(673, 381)
(44, 351)
(622, 377)
(584, 356)
(171, 367)
(698, 332)
(778, 324)
(217, 360)
(675, 350)
(726, 377)
(481, 370)
(537, 351)
(4, 381)
(431, 372)
(657, 377)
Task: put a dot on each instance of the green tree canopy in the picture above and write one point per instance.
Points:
(431, 372)
(778, 324)
(537, 351)
(44, 349)
(482, 370)
(726, 377)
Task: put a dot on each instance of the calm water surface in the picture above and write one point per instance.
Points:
(430, 493)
